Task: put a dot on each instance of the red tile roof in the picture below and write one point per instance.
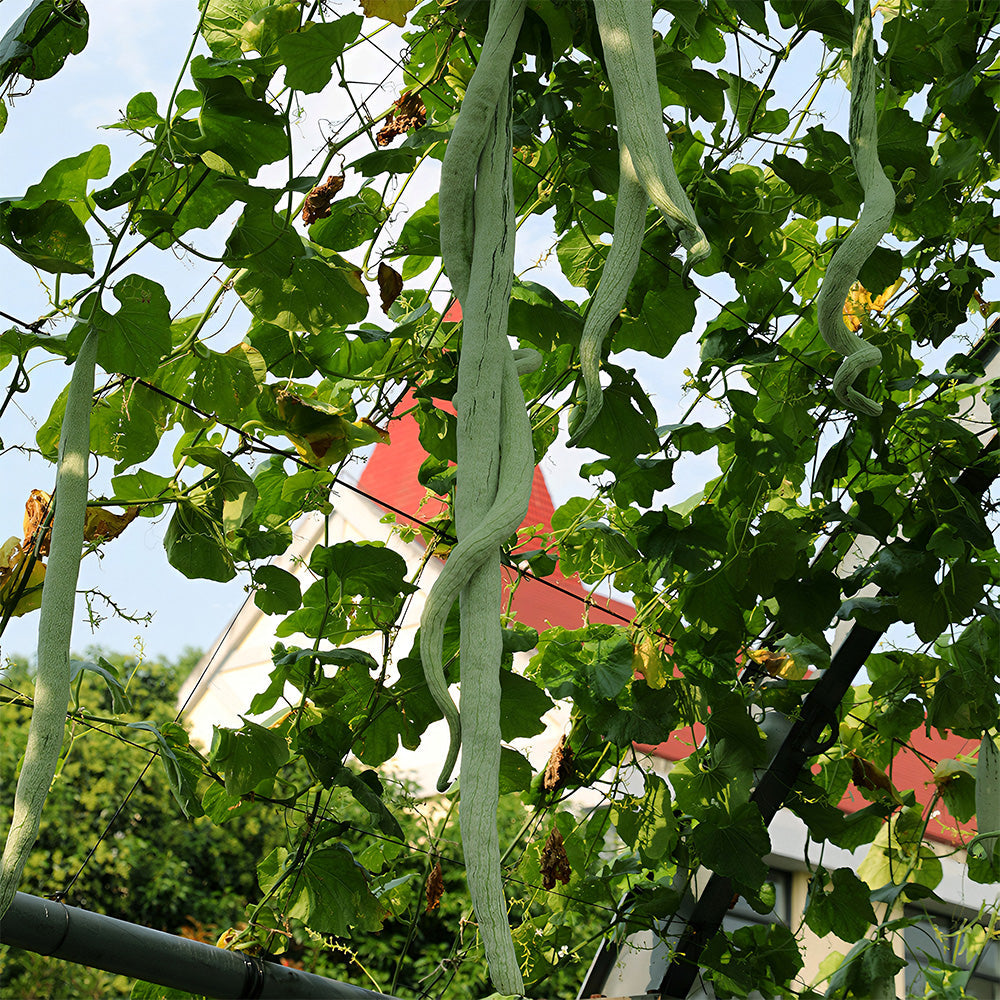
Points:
(391, 476)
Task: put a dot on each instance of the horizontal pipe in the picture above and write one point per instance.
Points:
(92, 939)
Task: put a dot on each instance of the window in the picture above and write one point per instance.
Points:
(936, 944)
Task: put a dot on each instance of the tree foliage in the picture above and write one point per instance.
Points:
(230, 442)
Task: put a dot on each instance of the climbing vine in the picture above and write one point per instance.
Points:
(738, 210)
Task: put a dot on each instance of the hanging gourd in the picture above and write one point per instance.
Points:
(872, 225)
(52, 678)
(646, 173)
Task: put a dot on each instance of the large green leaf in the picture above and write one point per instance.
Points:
(248, 757)
(195, 544)
(309, 54)
(839, 904)
(225, 384)
(67, 179)
(37, 44)
(135, 338)
(734, 844)
(331, 891)
(316, 295)
(49, 237)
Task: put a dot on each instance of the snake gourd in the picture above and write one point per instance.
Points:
(52, 680)
(619, 270)
(646, 174)
(874, 221)
(517, 459)
(495, 463)
(988, 797)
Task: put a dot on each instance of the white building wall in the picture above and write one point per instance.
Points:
(220, 688)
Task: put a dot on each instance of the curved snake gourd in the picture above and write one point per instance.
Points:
(646, 174)
(475, 548)
(876, 216)
(52, 680)
(619, 270)
(494, 439)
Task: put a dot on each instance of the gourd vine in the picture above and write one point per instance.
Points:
(495, 456)
(876, 217)
(52, 680)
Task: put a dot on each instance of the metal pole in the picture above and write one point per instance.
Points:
(92, 939)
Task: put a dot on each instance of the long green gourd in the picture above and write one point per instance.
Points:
(875, 219)
(481, 367)
(988, 797)
(626, 28)
(477, 235)
(52, 679)
(646, 173)
(467, 141)
(616, 278)
(517, 460)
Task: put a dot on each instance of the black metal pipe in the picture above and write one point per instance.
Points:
(101, 942)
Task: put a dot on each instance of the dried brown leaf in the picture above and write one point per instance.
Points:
(35, 509)
(434, 887)
(390, 284)
(560, 767)
(102, 525)
(407, 114)
(555, 863)
(319, 199)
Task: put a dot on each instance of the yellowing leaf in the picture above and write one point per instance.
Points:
(778, 664)
(388, 10)
(14, 558)
(101, 525)
(646, 660)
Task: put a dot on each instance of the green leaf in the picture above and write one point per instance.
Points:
(646, 822)
(67, 179)
(262, 241)
(181, 764)
(515, 771)
(367, 790)
(240, 133)
(140, 112)
(233, 488)
(331, 891)
(37, 44)
(734, 844)
(309, 54)
(668, 312)
(225, 384)
(248, 757)
(843, 909)
(142, 990)
(196, 546)
(316, 295)
(120, 702)
(750, 106)
(279, 593)
(222, 24)
(135, 338)
(351, 222)
(421, 234)
(49, 237)
(523, 705)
